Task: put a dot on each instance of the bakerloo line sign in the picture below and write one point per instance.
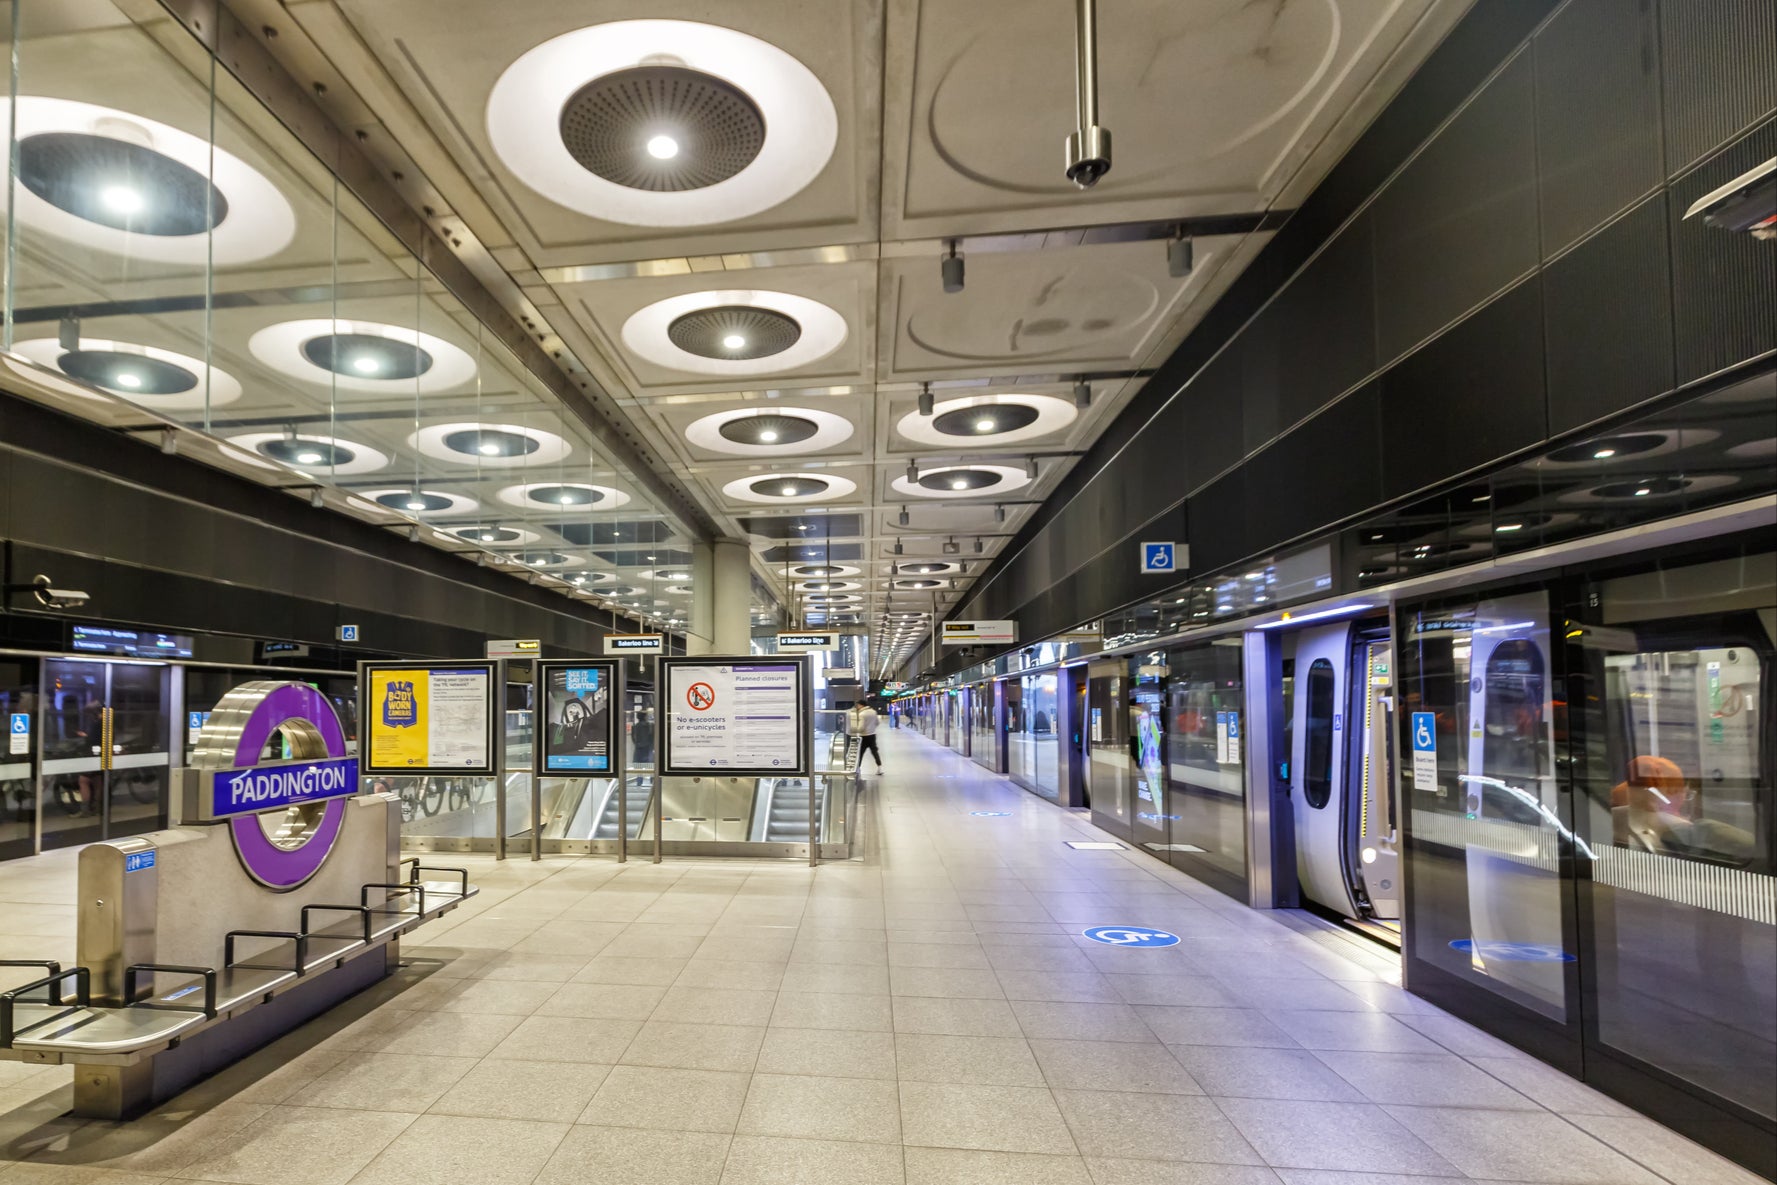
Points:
(229, 782)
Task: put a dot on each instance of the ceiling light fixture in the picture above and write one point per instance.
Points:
(1089, 145)
(986, 424)
(488, 448)
(169, 441)
(951, 547)
(127, 378)
(1604, 453)
(308, 458)
(317, 499)
(979, 545)
(416, 503)
(1030, 467)
(912, 473)
(1180, 257)
(121, 199)
(767, 436)
(950, 269)
(662, 147)
(925, 399)
(999, 514)
(366, 364)
(904, 519)
(1082, 393)
(897, 549)
(734, 341)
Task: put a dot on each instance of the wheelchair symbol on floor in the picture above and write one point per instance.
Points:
(1139, 936)
(990, 814)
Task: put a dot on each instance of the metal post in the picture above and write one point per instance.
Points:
(499, 708)
(807, 708)
(1086, 62)
(655, 796)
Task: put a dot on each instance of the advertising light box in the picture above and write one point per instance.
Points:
(580, 703)
(427, 718)
(743, 715)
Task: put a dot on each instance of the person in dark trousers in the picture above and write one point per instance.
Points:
(861, 722)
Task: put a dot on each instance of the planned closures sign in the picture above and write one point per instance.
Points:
(422, 718)
(736, 716)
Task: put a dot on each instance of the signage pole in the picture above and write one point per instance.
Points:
(499, 762)
(659, 798)
(620, 759)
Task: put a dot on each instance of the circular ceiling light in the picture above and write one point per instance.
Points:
(367, 356)
(819, 570)
(662, 123)
(679, 590)
(146, 375)
(1001, 419)
(777, 331)
(495, 446)
(834, 599)
(734, 331)
(545, 559)
(662, 128)
(917, 583)
(751, 432)
(499, 535)
(313, 453)
(928, 568)
(549, 495)
(829, 586)
(790, 487)
(967, 481)
(428, 501)
(1613, 450)
(134, 187)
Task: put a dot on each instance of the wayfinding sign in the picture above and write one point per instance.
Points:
(745, 715)
(971, 633)
(581, 704)
(797, 643)
(427, 718)
(635, 643)
(1425, 750)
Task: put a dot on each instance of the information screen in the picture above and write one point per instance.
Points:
(741, 716)
(429, 718)
(580, 709)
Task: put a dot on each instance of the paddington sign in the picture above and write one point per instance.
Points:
(273, 787)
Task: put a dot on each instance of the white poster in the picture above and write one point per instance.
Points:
(735, 716)
(1221, 738)
(458, 733)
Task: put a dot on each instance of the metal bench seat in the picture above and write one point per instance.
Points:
(73, 1029)
(294, 952)
(236, 987)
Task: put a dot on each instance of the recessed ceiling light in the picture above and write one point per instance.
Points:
(768, 436)
(734, 341)
(1509, 527)
(1643, 492)
(308, 458)
(416, 504)
(984, 425)
(121, 199)
(1602, 453)
(127, 378)
(488, 536)
(488, 449)
(662, 147)
(366, 364)
(566, 499)
(959, 485)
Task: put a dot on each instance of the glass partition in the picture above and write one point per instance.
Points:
(1206, 763)
(1033, 747)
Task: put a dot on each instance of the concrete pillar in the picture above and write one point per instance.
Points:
(721, 598)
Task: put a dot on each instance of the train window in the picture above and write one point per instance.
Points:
(1317, 761)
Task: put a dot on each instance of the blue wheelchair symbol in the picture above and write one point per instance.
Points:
(21, 724)
(990, 814)
(1156, 557)
(1513, 952)
(1138, 936)
(1422, 733)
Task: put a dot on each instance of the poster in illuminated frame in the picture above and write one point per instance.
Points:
(428, 717)
(579, 732)
(746, 715)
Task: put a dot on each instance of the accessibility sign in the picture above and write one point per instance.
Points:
(990, 814)
(701, 696)
(20, 741)
(1425, 750)
(1160, 557)
(1138, 936)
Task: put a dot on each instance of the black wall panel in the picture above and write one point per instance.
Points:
(1718, 63)
(1471, 396)
(1597, 115)
(1608, 318)
(1214, 432)
(1328, 468)
(1724, 286)
(1326, 324)
(1459, 223)
(1215, 522)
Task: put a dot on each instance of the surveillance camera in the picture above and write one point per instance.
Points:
(57, 598)
(1088, 156)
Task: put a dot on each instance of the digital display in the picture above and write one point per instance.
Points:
(93, 639)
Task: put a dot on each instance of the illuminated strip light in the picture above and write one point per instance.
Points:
(1318, 615)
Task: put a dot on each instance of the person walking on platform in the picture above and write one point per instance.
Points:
(861, 722)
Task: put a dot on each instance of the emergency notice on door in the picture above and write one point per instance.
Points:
(740, 716)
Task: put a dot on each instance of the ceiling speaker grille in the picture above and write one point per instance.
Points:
(758, 333)
(606, 126)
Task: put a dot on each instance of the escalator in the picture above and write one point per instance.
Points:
(636, 795)
(786, 810)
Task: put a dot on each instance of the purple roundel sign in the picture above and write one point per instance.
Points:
(273, 866)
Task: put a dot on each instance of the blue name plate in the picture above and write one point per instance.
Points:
(138, 861)
(249, 791)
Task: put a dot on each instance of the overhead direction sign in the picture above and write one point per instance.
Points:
(514, 648)
(635, 643)
(799, 643)
(972, 633)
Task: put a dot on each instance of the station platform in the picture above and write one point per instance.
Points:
(930, 1012)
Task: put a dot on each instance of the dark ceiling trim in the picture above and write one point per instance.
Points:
(242, 53)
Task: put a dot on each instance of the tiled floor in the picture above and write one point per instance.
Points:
(927, 1015)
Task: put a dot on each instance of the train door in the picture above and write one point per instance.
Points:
(1378, 866)
(106, 764)
(1318, 790)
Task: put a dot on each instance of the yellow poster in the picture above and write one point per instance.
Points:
(399, 725)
